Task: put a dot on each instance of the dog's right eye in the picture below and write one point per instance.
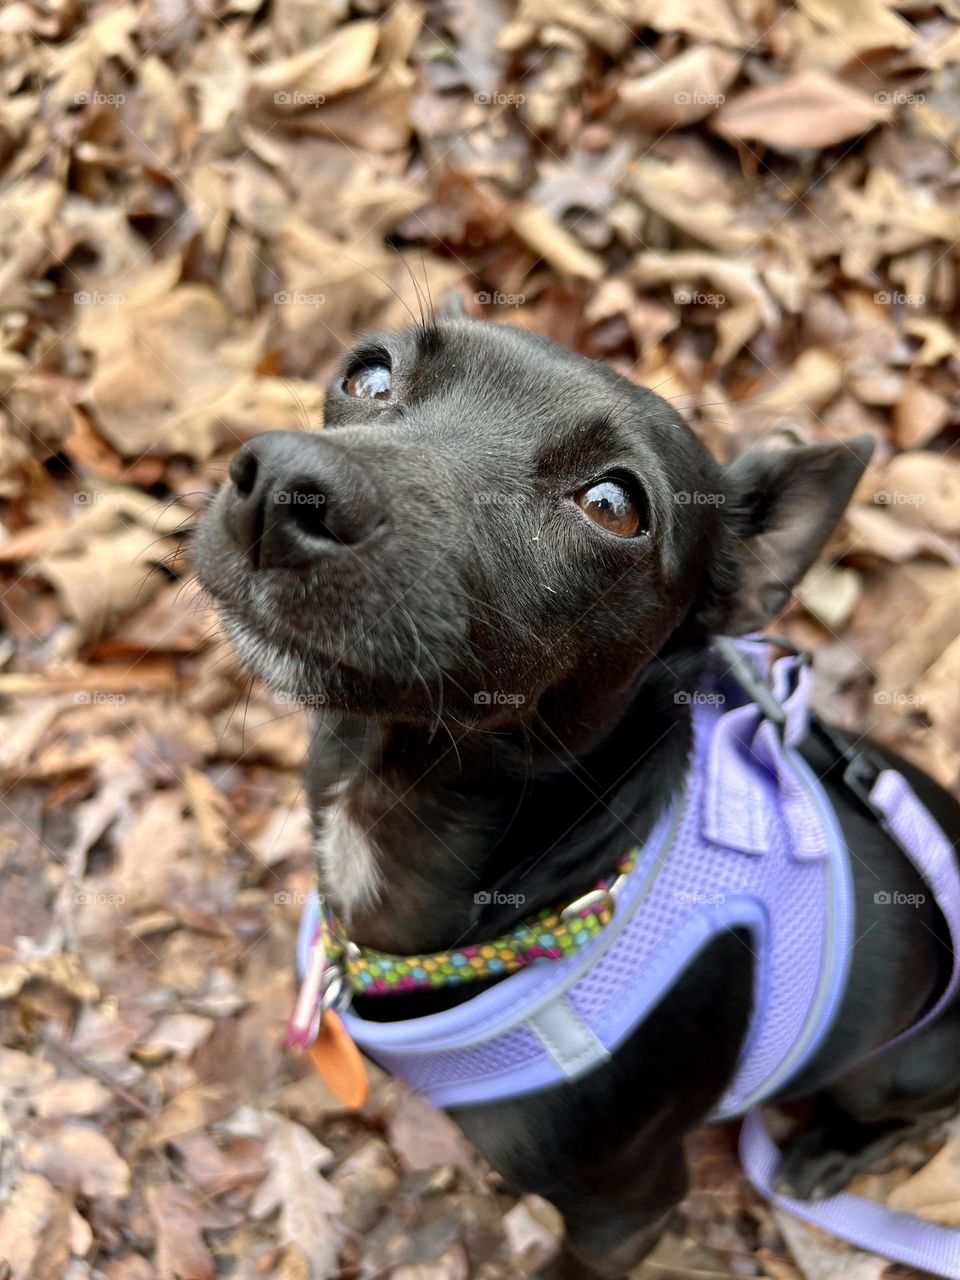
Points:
(615, 507)
(369, 381)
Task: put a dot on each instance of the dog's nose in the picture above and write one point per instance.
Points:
(295, 495)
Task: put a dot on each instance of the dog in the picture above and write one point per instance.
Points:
(485, 571)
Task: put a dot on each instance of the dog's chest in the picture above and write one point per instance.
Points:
(348, 861)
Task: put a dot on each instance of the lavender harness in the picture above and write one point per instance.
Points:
(751, 844)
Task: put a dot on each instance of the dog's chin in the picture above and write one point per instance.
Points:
(317, 680)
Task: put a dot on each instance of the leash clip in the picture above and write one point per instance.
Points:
(595, 898)
(323, 987)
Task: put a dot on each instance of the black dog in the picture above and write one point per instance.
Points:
(486, 512)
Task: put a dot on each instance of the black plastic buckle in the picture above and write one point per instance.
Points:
(862, 766)
(750, 681)
(861, 774)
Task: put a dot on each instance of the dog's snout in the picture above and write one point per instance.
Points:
(293, 496)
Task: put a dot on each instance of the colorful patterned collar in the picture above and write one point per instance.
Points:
(336, 963)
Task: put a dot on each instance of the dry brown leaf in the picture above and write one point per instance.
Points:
(733, 282)
(926, 486)
(78, 1157)
(104, 562)
(820, 1257)
(341, 62)
(830, 593)
(180, 1220)
(676, 192)
(881, 530)
(310, 1207)
(534, 1231)
(170, 364)
(810, 109)
(933, 1193)
(66, 972)
(812, 382)
(424, 1137)
(919, 415)
(179, 1033)
(682, 91)
(716, 21)
(211, 810)
(552, 242)
(828, 38)
(606, 25)
(75, 1096)
(35, 1230)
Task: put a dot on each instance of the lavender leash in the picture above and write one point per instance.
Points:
(902, 1237)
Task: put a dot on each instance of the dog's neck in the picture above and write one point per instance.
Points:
(434, 839)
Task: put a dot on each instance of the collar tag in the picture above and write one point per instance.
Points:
(338, 1062)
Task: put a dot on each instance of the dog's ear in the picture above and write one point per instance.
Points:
(781, 507)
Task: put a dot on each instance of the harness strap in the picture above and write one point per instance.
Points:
(902, 1237)
(924, 842)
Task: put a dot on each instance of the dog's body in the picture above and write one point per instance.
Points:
(498, 596)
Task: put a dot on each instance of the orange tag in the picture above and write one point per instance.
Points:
(338, 1063)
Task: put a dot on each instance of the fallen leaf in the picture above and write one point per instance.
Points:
(75, 1096)
(35, 1230)
(682, 91)
(550, 241)
(424, 1137)
(534, 1231)
(933, 1193)
(810, 109)
(180, 1220)
(310, 1207)
(79, 1157)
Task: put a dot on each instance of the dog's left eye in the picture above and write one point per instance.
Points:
(371, 381)
(614, 506)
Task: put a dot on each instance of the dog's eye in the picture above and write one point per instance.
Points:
(614, 506)
(370, 381)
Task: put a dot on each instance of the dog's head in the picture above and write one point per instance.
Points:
(488, 519)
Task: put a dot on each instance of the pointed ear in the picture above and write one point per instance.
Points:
(781, 507)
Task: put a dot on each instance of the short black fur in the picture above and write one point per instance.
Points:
(499, 682)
